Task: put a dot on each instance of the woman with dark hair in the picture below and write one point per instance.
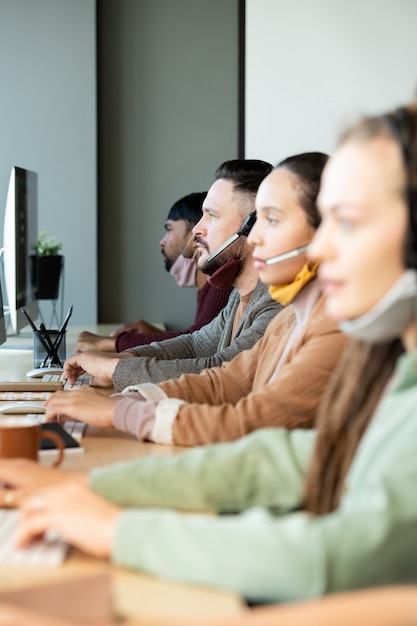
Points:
(316, 514)
(300, 514)
(278, 382)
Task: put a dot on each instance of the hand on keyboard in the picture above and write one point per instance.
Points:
(75, 428)
(48, 551)
(82, 381)
(78, 515)
(87, 405)
(98, 364)
(25, 477)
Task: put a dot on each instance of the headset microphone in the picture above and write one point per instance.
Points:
(286, 255)
(244, 231)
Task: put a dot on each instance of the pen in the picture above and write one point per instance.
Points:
(52, 353)
(29, 319)
(45, 335)
(35, 330)
(66, 320)
(60, 335)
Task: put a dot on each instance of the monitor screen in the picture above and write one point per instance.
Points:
(2, 324)
(19, 238)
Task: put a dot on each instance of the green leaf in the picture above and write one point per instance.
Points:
(46, 245)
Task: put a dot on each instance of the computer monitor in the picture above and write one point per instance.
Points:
(2, 324)
(19, 238)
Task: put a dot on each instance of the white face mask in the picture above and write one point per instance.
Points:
(391, 315)
(185, 271)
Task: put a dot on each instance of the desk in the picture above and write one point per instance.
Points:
(16, 355)
(24, 340)
(150, 600)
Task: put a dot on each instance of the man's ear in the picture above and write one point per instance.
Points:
(190, 248)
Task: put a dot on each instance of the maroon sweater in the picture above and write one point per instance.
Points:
(210, 301)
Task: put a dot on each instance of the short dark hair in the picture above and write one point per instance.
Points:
(245, 174)
(188, 208)
(308, 168)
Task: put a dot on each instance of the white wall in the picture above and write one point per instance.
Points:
(48, 124)
(314, 66)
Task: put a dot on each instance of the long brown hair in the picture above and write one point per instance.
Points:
(365, 369)
(345, 412)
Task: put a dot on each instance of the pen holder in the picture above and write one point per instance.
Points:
(49, 348)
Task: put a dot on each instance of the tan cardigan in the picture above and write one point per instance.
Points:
(225, 403)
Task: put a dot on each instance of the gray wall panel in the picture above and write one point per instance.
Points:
(48, 124)
(167, 118)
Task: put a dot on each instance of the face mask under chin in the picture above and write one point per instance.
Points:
(224, 276)
(184, 271)
(391, 315)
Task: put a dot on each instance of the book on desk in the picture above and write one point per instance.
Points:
(28, 390)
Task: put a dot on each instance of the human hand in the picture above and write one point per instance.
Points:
(89, 341)
(23, 477)
(98, 364)
(83, 405)
(142, 327)
(79, 516)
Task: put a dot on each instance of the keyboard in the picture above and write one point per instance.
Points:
(82, 381)
(50, 550)
(76, 429)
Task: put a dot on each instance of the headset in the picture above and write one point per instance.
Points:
(244, 231)
(286, 255)
(400, 125)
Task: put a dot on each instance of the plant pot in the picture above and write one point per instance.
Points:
(46, 274)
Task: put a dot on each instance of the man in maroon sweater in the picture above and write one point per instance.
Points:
(179, 250)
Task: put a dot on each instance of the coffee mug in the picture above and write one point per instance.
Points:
(20, 438)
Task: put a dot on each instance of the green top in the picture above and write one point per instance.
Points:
(265, 553)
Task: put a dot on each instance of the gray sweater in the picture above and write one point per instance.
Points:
(207, 347)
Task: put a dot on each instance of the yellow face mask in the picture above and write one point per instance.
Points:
(285, 294)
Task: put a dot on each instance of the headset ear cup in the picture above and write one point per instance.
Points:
(401, 126)
(247, 225)
(411, 238)
(410, 251)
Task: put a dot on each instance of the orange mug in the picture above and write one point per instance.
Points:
(20, 438)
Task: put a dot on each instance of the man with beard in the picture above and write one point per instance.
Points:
(179, 249)
(222, 234)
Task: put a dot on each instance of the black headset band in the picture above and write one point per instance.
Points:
(400, 125)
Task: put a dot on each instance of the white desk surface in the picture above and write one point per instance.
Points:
(159, 601)
(24, 339)
(16, 355)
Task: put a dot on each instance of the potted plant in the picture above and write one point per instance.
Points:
(47, 266)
